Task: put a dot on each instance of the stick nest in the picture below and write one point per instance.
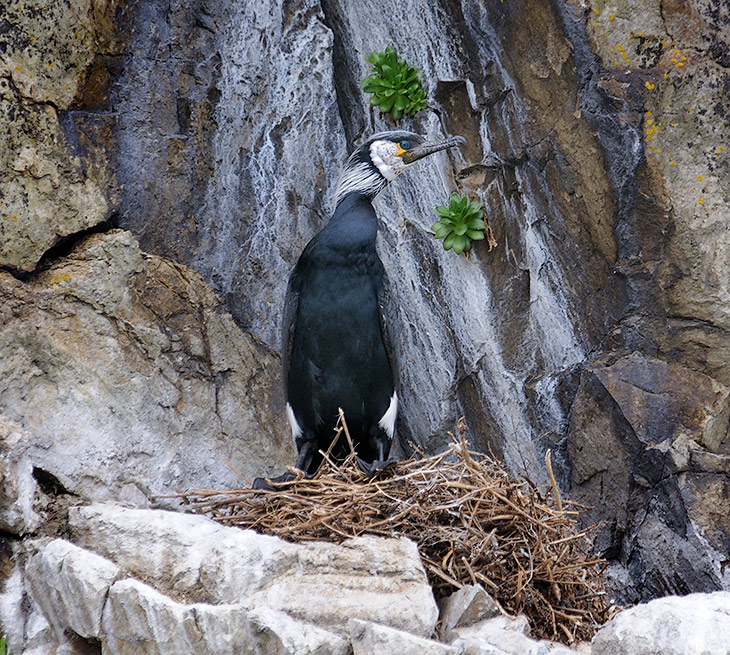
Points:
(472, 522)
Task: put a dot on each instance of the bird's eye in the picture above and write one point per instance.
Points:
(404, 145)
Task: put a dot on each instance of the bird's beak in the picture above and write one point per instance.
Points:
(409, 156)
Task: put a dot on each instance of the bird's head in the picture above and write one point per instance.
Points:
(383, 157)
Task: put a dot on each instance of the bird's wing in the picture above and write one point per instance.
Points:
(289, 320)
(388, 313)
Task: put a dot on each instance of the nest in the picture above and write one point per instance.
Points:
(472, 522)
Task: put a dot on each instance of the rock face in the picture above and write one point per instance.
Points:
(605, 183)
(129, 380)
(597, 142)
(54, 102)
(645, 434)
(693, 625)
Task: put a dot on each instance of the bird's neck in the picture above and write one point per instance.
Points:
(361, 178)
(354, 219)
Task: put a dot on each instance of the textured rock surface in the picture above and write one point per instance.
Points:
(604, 246)
(698, 624)
(54, 114)
(130, 380)
(501, 632)
(17, 484)
(645, 434)
(172, 583)
(372, 639)
(193, 557)
(597, 141)
(464, 607)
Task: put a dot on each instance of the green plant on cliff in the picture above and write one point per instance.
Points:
(3, 646)
(462, 222)
(394, 83)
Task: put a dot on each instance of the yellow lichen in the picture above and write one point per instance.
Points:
(61, 277)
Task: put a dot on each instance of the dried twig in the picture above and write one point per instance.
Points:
(470, 519)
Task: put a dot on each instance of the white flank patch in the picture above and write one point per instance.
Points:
(296, 430)
(387, 423)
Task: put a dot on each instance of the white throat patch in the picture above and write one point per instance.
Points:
(384, 156)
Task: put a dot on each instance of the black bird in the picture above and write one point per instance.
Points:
(335, 344)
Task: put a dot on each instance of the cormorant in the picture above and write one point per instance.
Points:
(335, 343)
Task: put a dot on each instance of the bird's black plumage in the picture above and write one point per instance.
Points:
(335, 340)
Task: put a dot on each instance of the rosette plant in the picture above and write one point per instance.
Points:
(394, 83)
(462, 222)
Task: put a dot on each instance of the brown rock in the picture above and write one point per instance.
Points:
(649, 447)
(130, 379)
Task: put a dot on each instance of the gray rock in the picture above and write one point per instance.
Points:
(373, 579)
(130, 380)
(465, 607)
(373, 639)
(507, 634)
(17, 484)
(71, 586)
(87, 596)
(698, 624)
(137, 616)
(643, 434)
(57, 176)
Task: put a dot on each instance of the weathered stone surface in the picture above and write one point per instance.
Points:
(86, 595)
(698, 624)
(47, 191)
(139, 616)
(373, 579)
(506, 634)
(465, 607)
(54, 111)
(71, 586)
(649, 447)
(27, 630)
(171, 583)
(676, 57)
(374, 639)
(232, 121)
(130, 380)
(17, 485)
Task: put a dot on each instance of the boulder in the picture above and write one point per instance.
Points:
(465, 607)
(129, 379)
(507, 634)
(698, 624)
(373, 579)
(177, 583)
(373, 639)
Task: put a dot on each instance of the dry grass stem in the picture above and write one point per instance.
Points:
(472, 523)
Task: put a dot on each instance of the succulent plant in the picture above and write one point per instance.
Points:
(394, 83)
(461, 223)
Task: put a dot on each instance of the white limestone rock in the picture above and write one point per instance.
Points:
(374, 639)
(698, 624)
(465, 607)
(70, 585)
(139, 617)
(369, 578)
(508, 635)
(17, 485)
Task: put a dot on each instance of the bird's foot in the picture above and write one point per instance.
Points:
(279, 483)
(371, 469)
